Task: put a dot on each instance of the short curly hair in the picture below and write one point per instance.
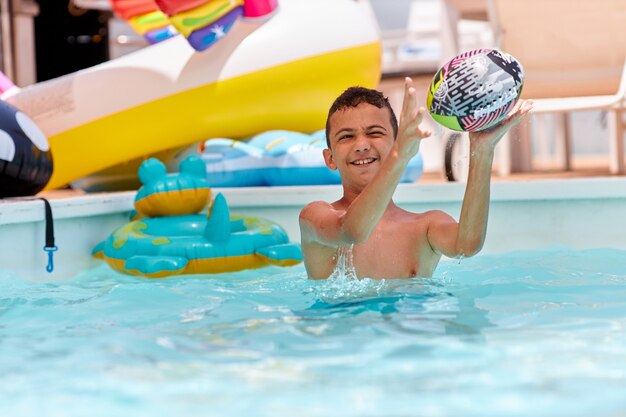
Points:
(354, 96)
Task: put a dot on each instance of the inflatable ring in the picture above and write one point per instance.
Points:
(158, 247)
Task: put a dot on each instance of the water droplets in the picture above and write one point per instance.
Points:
(343, 283)
(344, 269)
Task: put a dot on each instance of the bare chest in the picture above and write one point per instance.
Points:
(391, 252)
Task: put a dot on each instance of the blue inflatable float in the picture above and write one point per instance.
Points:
(167, 237)
(275, 158)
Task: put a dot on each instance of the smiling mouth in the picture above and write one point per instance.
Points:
(365, 161)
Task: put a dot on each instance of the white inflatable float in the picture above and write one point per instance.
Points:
(279, 74)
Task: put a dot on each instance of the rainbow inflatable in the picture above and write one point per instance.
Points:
(145, 17)
(168, 238)
(202, 22)
(282, 73)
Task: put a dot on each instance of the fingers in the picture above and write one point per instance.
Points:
(515, 116)
(522, 106)
(420, 115)
(408, 84)
(411, 116)
(517, 113)
(514, 110)
(424, 133)
(412, 128)
(521, 109)
(526, 106)
(411, 106)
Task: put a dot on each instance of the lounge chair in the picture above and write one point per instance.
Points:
(452, 13)
(574, 57)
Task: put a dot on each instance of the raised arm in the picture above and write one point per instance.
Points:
(466, 238)
(369, 206)
(355, 222)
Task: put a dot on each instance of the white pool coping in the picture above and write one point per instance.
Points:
(29, 209)
(579, 213)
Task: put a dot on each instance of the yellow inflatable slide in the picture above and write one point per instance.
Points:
(277, 74)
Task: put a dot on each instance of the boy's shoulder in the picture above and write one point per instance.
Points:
(314, 209)
(425, 215)
(322, 205)
(316, 205)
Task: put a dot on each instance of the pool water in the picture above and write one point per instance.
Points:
(539, 333)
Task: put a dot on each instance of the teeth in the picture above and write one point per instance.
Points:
(363, 161)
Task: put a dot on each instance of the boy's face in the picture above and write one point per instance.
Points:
(360, 139)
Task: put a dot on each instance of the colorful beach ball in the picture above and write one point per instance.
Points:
(25, 158)
(475, 90)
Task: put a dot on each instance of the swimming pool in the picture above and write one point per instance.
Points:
(527, 333)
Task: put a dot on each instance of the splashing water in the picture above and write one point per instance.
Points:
(344, 269)
(343, 283)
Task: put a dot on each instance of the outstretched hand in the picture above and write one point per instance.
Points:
(492, 135)
(410, 133)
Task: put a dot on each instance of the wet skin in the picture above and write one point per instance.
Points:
(390, 242)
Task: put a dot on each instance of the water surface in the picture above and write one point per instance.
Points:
(534, 333)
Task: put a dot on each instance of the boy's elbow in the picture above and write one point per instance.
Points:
(470, 248)
(469, 252)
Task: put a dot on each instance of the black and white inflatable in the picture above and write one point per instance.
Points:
(25, 157)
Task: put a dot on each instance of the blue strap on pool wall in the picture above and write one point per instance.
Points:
(50, 247)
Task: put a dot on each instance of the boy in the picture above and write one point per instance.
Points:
(371, 153)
